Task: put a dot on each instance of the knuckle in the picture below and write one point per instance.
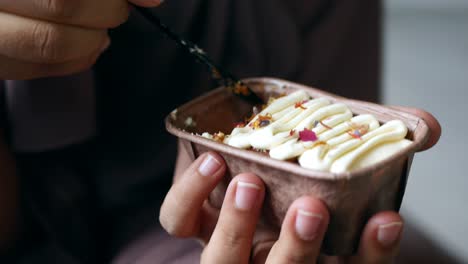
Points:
(233, 237)
(298, 257)
(175, 228)
(47, 42)
(68, 68)
(168, 225)
(172, 219)
(120, 15)
(60, 9)
(87, 64)
(92, 59)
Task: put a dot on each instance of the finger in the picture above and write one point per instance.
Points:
(380, 239)
(181, 210)
(302, 232)
(231, 241)
(42, 42)
(102, 14)
(11, 69)
(431, 121)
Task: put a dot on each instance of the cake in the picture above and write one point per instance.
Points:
(318, 134)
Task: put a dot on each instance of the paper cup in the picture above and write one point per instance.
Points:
(351, 197)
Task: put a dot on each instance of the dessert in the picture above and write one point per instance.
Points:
(365, 186)
(321, 135)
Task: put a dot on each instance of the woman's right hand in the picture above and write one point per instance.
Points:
(231, 234)
(40, 38)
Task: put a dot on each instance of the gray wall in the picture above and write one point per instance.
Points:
(427, 4)
(426, 66)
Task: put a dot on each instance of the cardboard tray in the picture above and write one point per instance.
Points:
(352, 197)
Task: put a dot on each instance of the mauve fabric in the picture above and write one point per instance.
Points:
(50, 113)
(96, 184)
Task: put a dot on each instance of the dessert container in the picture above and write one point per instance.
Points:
(351, 197)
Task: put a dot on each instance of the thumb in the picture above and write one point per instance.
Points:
(431, 121)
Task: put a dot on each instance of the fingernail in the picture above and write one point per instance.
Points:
(388, 234)
(105, 45)
(246, 195)
(209, 166)
(307, 224)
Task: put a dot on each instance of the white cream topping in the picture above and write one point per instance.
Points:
(343, 142)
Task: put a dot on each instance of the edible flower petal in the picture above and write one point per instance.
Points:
(326, 126)
(262, 121)
(307, 135)
(301, 104)
(357, 131)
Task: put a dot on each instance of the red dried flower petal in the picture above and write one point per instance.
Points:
(300, 105)
(307, 135)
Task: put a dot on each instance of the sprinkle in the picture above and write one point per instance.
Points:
(240, 88)
(301, 105)
(219, 136)
(321, 143)
(355, 134)
(307, 135)
(189, 122)
(262, 121)
(292, 132)
(327, 127)
(357, 131)
(207, 135)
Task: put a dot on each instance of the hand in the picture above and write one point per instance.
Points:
(229, 233)
(434, 126)
(41, 38)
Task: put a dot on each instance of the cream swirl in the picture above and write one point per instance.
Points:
(339, 143)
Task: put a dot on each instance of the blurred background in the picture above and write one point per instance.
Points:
(426, 66)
